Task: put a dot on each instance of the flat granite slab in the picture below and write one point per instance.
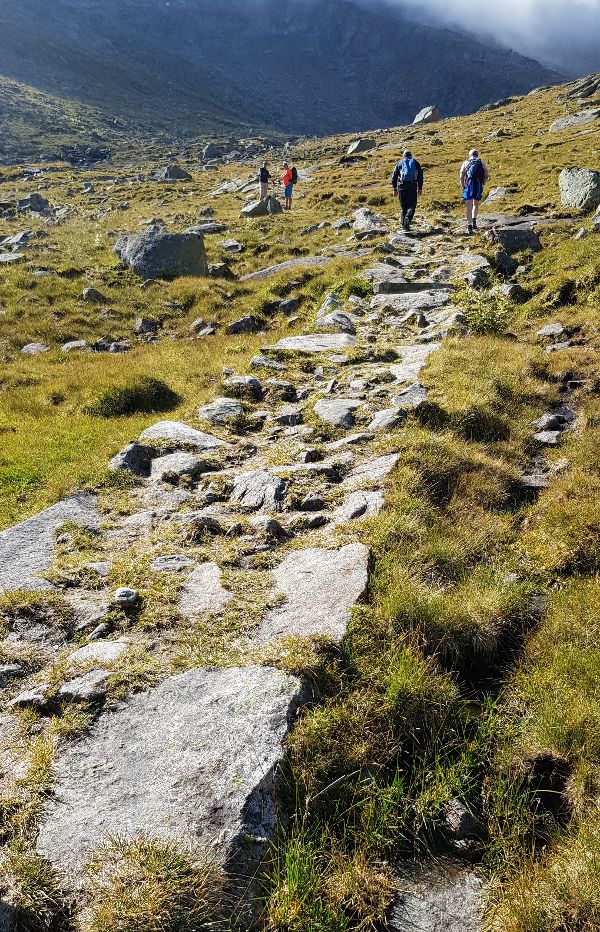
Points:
(27, 549)
(193, 760)
(313, 343)
(320, 587)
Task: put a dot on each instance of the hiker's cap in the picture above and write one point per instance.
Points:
(474, 153)
(285, 165)
(407, 154)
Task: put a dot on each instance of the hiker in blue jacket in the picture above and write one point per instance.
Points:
(407, 182)
(473, 176)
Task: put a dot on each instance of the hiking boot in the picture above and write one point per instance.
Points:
(474, 224)
(470, 230)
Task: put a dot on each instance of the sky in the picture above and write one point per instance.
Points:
(565, 33)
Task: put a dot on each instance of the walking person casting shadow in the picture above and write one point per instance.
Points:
(473, 176)
(407, 182)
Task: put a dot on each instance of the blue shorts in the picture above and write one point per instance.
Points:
(473, 191)
(289, 190)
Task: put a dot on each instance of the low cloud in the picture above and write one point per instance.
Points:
(565, 33)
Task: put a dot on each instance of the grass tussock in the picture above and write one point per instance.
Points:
(146, 885)
(142, 396)
(31, 890)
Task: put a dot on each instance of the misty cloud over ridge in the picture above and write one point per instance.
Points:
(565, 33)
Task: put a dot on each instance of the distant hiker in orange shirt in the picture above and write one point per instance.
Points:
(287, 180)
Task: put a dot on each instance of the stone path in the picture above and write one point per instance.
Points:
(196, 757)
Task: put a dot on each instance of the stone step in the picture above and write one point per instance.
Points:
(402, 286)
(320, 587)
(193, 760)
(27, 549)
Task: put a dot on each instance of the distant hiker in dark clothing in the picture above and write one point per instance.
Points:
(407, 182)
(264, 178)
(473, 176)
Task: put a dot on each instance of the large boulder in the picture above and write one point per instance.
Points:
(574, 120)
(172, 172)
(268, 205)
(579, 188)
(360, 145)
(428, 115)
(516, 238)
(158, 254)
(211, 151)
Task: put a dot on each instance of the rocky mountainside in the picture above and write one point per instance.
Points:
(300, 548)
(297, 67)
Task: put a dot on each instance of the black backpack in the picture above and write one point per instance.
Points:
(294, 175)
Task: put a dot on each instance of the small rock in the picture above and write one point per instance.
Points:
(312, 502)
(91, 687)
(232, 245)
(337, 411)
(125, 597)
(34, 698)
(181, 434)
(135, 458)
(73, 345)
(411, 398)
(551, 330)
(360, 145)
(269, 526)
(99, 652)
(513, 292)
(516, 238)
(93, 296)
(145, 325)
(203, 591)
(547, 438)
(263, 362)
(247, 324)
(172, 172)
(257, 490)
(388, 419)
(35, 349)
(174, 467)
(288, 416)
(245, 386)
(460, 822)
(221, 411)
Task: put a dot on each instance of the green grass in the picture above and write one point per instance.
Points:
(147, 885)
(475, 657)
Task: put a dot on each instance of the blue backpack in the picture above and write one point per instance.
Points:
(475, 171)
(408, 172)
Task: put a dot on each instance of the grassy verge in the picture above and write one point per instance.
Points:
(472, 674)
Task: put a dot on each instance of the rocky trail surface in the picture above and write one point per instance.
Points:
(245, 530)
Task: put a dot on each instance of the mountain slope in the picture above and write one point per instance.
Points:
(311, 68)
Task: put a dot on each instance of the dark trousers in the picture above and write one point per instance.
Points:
(407, 192)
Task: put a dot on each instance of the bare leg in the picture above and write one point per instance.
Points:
(475, 209)
(470, 213)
